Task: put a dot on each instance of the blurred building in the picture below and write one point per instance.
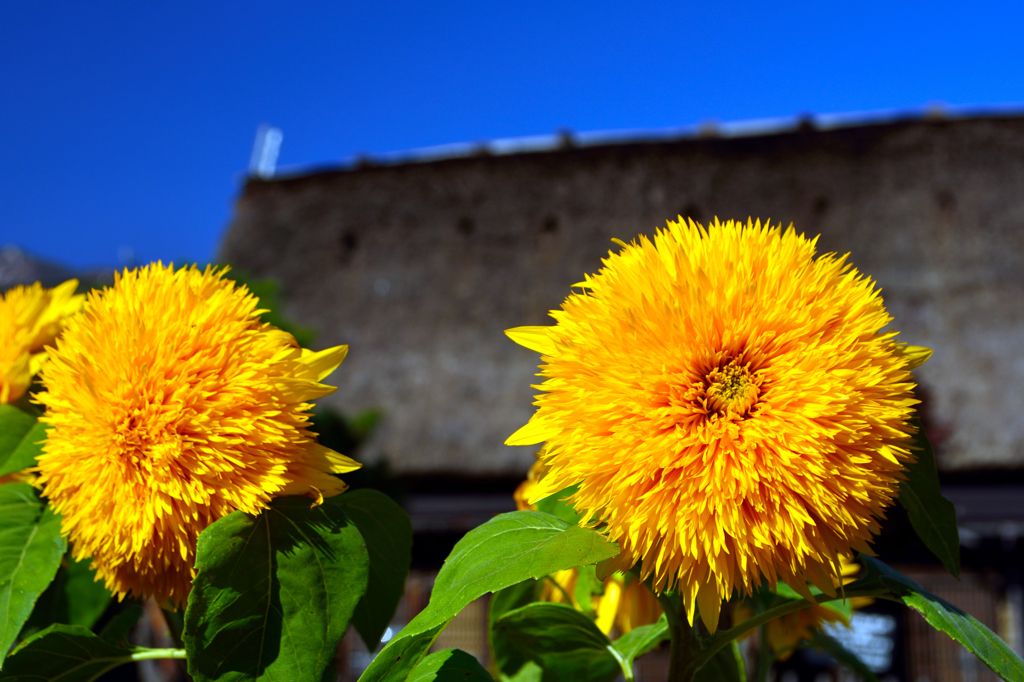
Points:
(419, 264)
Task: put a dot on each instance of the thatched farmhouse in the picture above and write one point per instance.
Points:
(419, 265)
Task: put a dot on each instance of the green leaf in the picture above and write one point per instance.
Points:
(506, 656)
(834, 648)
(932, 515)
(587, 585)
(387, 532)
(513, 597)
(273, 594)
(562, 641)
(531, 672)
(842, 607)
(120, 626)
(71, 653)
(31, 547)
(507, 550)
(73, 598)
(399, 658)
(450, 665)
(725, 666)
(558, 505)
(942, 615)
(87, 598)
(19, 435)
(639, 641)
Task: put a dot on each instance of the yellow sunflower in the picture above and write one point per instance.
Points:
(728, 405)
(171, 405)
(31, 317)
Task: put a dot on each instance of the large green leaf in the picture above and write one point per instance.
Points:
(87, 598)
(932, 515)
(506, 656)
(587, 585)
(387, 531)
(531, 672)
(450, 665)
(639, 641)
(725, 666)
(20, 434)
(942, 615)
(558, 505)
(31, 547)
(73, 598)
(834, 648)
(273, 594)
(562, 641)
(116, 631)
(513, 597)
(399, 658)
(507, 550)
(71, 653)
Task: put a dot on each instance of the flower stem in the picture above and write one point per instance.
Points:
(140, 654)
(151, 654)
(685, 645)
(764, 656)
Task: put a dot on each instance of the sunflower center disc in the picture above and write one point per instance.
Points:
(731, 388)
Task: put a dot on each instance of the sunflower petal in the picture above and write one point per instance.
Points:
(915, 356)
(322, 363)
(535, 431)
(534, 338)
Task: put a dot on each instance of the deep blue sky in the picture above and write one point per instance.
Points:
(131, 123)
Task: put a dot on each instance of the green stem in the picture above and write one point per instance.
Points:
(723, 638)
(151, 654)
(176, 626)
(685, 645)
(764, 656)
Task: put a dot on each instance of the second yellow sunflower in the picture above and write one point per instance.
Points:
(729, 405)
(171, 405)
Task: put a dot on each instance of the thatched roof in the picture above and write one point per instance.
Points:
(420, 266)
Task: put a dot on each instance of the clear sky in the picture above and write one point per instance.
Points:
(131, 123)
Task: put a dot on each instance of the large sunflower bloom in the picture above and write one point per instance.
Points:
(729, 407)
(31, 318)
(171, 405)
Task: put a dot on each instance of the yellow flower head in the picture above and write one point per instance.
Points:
(171, 405)
(30, 318)
(728, 406)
